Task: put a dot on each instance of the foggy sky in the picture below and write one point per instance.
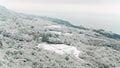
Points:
(97, 14)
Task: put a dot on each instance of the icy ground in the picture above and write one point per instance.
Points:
(60, 49)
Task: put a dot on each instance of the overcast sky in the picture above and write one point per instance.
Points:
(97, 14)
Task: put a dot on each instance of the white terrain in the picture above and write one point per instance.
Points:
(60, 49)
(29, 41)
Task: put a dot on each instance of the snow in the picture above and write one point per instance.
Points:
(54, 26)
(60, 33)
(55, 32)
(68, 34)
(60, 49)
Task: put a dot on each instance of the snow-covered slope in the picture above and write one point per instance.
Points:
(22, 37)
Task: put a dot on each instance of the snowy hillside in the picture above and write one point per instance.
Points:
(28, 41)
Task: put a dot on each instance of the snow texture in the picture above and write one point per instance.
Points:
(60, 49)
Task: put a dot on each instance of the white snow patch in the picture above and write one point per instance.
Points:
(54, 26)
(60, 33)
(55, 32)
(60, 49)
(68, 34)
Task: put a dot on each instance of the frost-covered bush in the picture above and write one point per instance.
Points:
(45, 37)
(1, 44)
(6, 34)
